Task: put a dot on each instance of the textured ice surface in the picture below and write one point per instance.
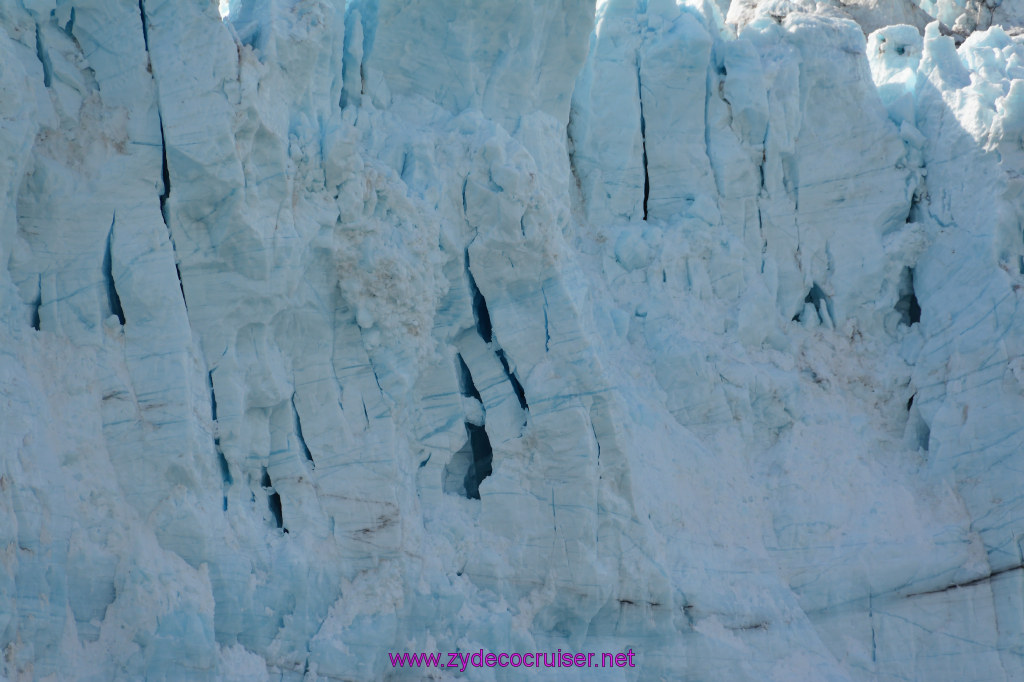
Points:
(334, 329)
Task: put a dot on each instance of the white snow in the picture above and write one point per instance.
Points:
(333, 329)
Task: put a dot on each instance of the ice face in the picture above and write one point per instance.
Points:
(336, 329)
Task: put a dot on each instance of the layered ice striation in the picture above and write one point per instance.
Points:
(333, 329)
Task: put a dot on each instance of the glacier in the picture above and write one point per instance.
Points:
(691, 328)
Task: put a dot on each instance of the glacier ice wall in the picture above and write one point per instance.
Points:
(336, 329)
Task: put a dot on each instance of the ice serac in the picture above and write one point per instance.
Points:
(333, 329)
(505, 59)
